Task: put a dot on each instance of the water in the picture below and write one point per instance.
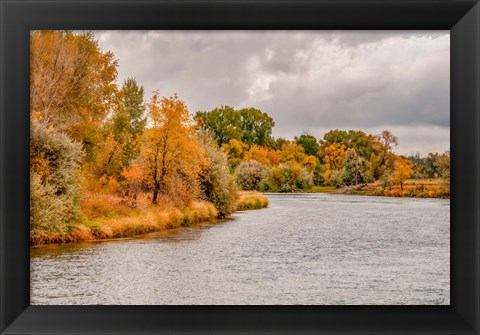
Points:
(303, 249)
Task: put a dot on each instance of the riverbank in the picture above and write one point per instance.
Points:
(412, 188)
(105, 216)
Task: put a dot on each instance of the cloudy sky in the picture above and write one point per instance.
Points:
(307, 81)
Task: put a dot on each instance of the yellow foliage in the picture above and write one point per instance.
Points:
(170, 155)
(402, 170)
(234, 148)
(334, 156)
(258, 153)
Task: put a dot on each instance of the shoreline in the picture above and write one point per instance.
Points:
(117, 221)
(412, 189)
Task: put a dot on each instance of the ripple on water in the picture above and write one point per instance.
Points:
(302, 249)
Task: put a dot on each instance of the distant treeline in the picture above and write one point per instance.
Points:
(340, 158)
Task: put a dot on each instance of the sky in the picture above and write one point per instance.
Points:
(307, 81)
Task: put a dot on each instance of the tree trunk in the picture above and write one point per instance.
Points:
(156, 188)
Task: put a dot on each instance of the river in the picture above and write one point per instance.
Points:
(330, 249)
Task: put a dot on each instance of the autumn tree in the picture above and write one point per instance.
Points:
(333, 157)
(294, 153)
(280, 142)
(363, 143)
(402, 170)
(235, 151)
(72, 84)
(170, 155)
(385, 158)
(264, 155)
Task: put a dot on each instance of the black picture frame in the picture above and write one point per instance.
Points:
(461, 17)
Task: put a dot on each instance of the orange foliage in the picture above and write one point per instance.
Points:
(171, 158)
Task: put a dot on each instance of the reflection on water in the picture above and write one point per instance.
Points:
(303, 249)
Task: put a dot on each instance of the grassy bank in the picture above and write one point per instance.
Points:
(413, 188)
(106, 216)
(251, 200)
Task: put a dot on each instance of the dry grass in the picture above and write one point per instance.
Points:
(251, 200)
(413, 188)
(106, 216)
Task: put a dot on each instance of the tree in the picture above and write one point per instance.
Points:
(292, 152)
(280, 143)
(170, 155)
(363, 144)
(355, 168)
(333, 157)
(256, 127)
(72, 84)
(235, 151)
(129, 120)
(387, 140)
(309, 144)
(221, 123)
(402, 170)
(264, 155)
(248, 125)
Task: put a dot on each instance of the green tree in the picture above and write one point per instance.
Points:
(221, 123)
(249, 125)
(256, 127)
(309, 144)
(129, 120)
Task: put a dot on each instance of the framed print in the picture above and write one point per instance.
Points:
(128, 128)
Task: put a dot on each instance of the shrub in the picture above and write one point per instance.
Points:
(251, 200)
(289, 178)
(443, 193)
(395, 192)
(306, 180)
(251, 174)
(54, 178)
(336, 177)
(421, 194)
(48, 212)
(408, 193)
(216, 185)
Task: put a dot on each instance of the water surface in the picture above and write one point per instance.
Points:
(302, 249)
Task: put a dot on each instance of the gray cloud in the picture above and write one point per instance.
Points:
(315, 80)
